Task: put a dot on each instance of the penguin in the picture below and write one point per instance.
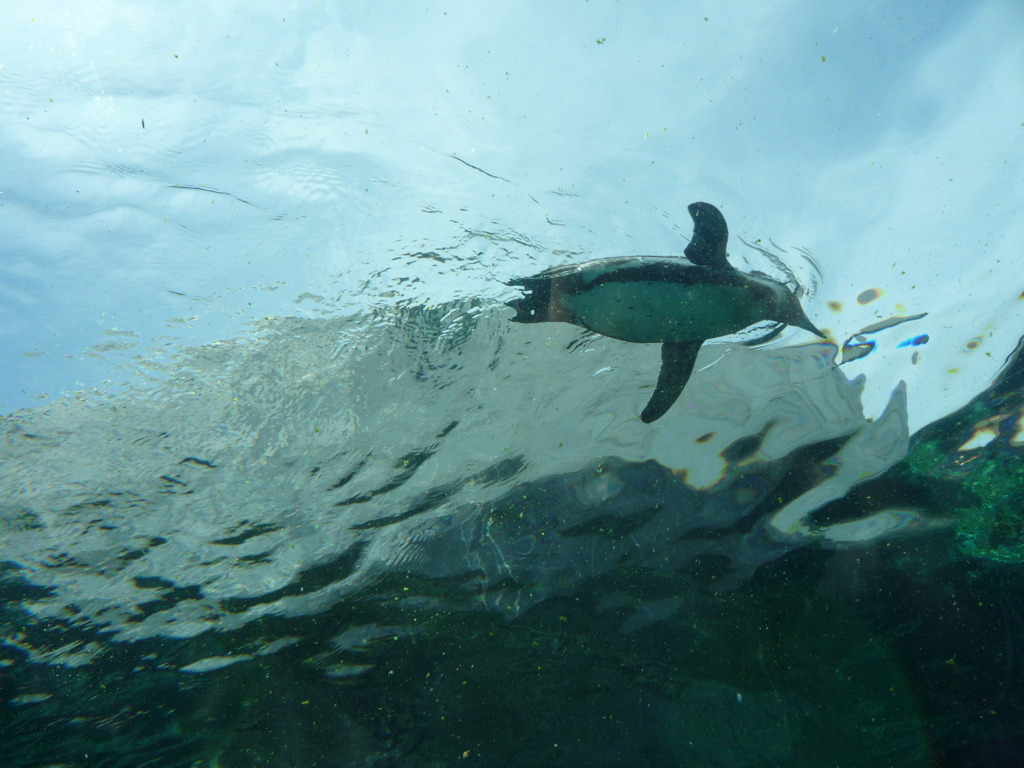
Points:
(677, 302)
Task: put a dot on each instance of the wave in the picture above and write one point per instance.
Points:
(318, 459)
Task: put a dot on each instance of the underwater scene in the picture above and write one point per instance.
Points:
(513, 385)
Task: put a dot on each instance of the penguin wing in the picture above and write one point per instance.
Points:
(677, 359)
(710, 236)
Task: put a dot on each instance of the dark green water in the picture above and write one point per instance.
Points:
(822, 659)
(612, 615)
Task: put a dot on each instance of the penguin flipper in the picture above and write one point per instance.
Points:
(677, 359)
(710, 236)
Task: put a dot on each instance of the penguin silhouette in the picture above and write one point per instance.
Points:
(676, 302)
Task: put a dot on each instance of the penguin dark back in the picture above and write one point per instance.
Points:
(676, 301)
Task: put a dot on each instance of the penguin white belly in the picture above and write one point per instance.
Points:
(652, 312)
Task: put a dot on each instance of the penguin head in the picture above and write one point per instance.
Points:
(792, 313)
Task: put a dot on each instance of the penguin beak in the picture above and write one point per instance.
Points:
(801, 321)
(809, 326)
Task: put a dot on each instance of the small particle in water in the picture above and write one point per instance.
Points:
(338, 671)
(835, 306)
(974, 343)
(30, 698)
(143, 123)
(856, 351)
(211, 663)
(1017, 439)
(524, 545)
(917, 341)
(915, 357)
(984, 433)
(890, 322)
(866, 297)
(744, 447)
(705, 437)
(681, 474)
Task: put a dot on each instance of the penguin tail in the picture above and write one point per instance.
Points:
(535, 305)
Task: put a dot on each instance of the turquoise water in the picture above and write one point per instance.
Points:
(282, 485)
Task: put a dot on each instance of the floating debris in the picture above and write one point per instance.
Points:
(854, 351)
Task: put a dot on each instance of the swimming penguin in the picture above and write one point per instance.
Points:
(676, 302)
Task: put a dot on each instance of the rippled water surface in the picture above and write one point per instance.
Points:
(282, 485)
